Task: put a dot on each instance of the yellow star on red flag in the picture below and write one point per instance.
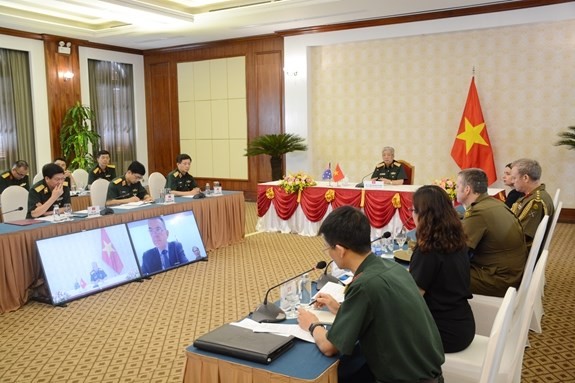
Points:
(472, 135)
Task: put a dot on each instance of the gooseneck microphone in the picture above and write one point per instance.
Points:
(20, 208)
(387, 234)
(271, 313)
(360, 185)
(325, 278)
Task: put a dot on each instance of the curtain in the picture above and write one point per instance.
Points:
(16, 119)
(112, 100)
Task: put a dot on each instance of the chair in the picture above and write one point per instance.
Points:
(409, 172)
(556, 198)
(14, 197)
(81, 178)
(538, 305)
(485, 307)
(156, 182)
(481, 360)
(37, 177)
(99, 192)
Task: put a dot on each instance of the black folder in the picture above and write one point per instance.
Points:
(245, 344)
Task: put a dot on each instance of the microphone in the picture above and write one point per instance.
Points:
(270, 312)
(20, 208)
(387, 234)
(360, 185)
(325, 278)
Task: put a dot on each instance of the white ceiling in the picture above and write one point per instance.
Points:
(149, 24)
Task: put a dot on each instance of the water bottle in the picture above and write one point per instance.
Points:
(56, 213)
(305, 290)
(217, 187)
(207, 189)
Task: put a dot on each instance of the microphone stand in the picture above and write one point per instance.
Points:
(269, 312)
(325, 278)
(20, 208)
(360, 185)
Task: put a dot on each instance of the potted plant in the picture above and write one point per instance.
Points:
(275, 146)
(77, 135)
(567, 138)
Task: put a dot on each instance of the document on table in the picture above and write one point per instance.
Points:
(131, 205)
(281, 329)
(333, 289)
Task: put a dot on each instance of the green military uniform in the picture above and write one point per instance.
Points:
(531, 209)
(497, 243)
(385, 312)
(40, 193)
(395, 171)
(120, 189)
(7, 179)
(108, 174)
(180, 182)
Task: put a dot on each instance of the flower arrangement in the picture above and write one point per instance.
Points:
(295, 182)
(449, 186)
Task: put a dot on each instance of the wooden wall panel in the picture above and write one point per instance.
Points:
(264, 88)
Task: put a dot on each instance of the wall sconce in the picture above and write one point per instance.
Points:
(64, 48)
(290, 73)
(68, 75)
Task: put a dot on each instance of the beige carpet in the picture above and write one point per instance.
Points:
(138, 332)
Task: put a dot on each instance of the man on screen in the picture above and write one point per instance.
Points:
(165, 254)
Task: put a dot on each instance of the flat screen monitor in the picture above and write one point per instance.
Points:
(79, 264)
(165, 242)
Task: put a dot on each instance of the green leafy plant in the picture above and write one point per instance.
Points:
(77, 135)
(275, 146)
(567, 138)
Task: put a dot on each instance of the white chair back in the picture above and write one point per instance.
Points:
(81, 178)
(556, 198)
(99, 192)
(531, 259)
(37, 177)
(553, 224)
(14, 197)
(156, 182)
(512, 361)
(480, 361)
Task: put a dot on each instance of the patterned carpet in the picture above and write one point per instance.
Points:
(138, 332)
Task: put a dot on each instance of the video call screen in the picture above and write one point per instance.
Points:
(165, 242)
(79, 264)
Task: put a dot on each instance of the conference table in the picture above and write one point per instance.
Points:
(302, 363)
(221, 222)
(388, 208)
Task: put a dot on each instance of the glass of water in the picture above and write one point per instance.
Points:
(401, 237)
(68, 211)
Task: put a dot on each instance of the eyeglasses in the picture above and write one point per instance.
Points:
(156, 230)
(20, 175)
(412, 210)
(138, 177)
(326, 249)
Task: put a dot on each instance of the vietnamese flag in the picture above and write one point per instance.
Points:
(472, 148)
(338, 174)
(109, 254)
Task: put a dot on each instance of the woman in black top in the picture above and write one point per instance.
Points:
(513, 195)
(440, 266)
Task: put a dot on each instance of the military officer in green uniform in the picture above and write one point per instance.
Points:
(180, 181)
(16, 176)
(389, 171)
(128, 188)
(494, 236)
(103, 169)
(48, 192)
(536, 203)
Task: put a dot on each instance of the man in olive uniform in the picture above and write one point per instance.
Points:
(103, 169)
(17, 176)
(494, 236)
(180, 181)
(389, 171)
(48, 192)
(128, 188)
(537, 203)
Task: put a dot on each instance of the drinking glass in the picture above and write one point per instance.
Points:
(401, 237)
(68, 210)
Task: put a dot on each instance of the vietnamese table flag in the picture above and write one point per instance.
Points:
(109, 254)
(472, 148)
(338, 174)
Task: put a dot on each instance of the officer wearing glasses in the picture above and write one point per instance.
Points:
(16, 176)
(48, 192)
(128, 188)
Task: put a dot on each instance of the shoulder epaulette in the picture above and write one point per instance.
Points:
(6, 174)
(39, 188)
(66, 183)
(117, 180)
(176, 174)
(96, 170)
(396, 163)
(112, 166)
(380, 164)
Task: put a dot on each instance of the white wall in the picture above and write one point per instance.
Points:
(346, 46)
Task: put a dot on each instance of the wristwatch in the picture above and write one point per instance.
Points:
(313, 326)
